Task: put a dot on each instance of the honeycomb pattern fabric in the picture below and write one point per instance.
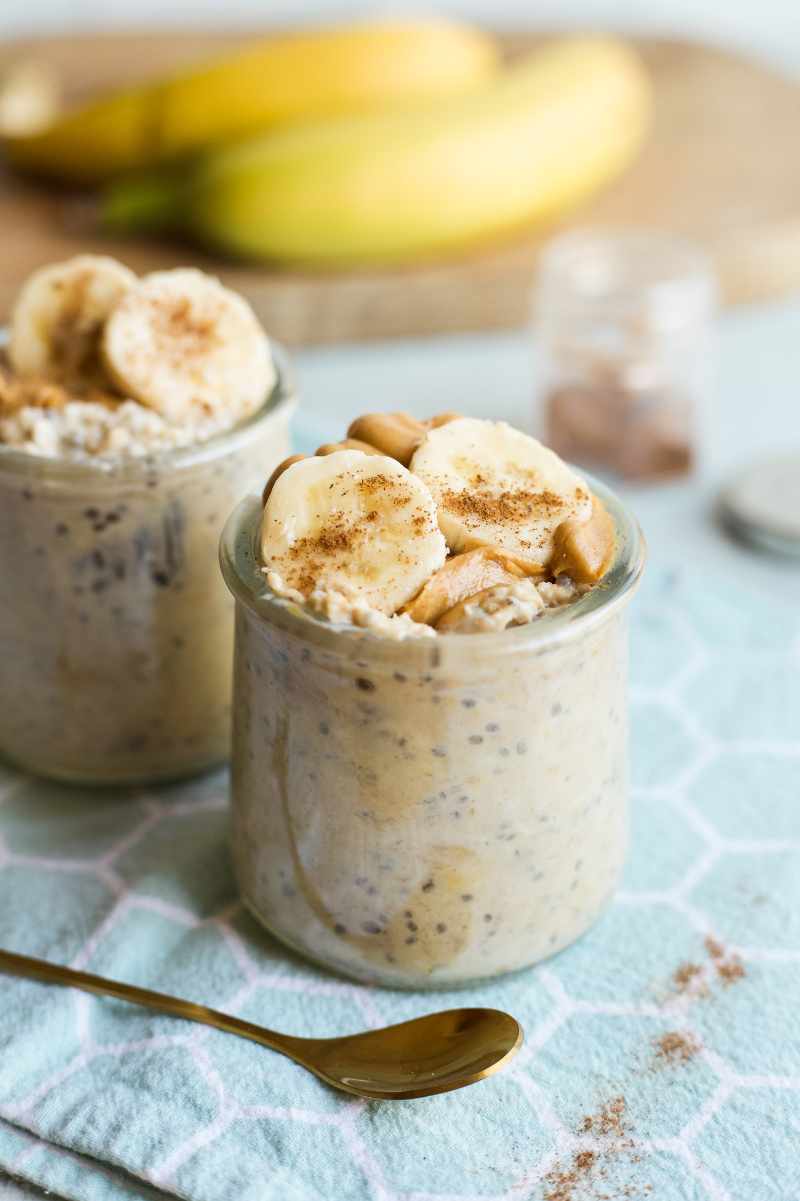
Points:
(662, 1053)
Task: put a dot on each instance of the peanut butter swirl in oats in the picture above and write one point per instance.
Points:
(453, 525)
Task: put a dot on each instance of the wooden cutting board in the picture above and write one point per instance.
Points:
(721, 166)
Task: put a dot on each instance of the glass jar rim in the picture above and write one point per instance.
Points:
(280, 403)
(243, 575)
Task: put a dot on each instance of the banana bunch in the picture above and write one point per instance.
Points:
(429, 179)
(277, 81)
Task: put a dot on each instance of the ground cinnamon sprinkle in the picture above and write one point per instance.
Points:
(181, 318)
(375, 483)
(676, 1047)
(685, 976)
(38, 393)
(585, 1176)
(499, 507)
(730, 972)
(729, 967)
(311, 553)
(692, 978)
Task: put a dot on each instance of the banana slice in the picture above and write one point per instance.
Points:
(495, 486)
(352, 523)
(57, 321)
(184, 345)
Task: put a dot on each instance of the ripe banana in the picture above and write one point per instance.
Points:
(497, 487)
(182, 344)
(30, 96)
(353, 523)
(58, 319)
(430, 179)
(279, 80)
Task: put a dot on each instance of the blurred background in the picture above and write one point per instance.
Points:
(769, 28)
(658, 346)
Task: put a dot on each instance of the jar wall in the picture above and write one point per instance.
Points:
(115, 630)
(428, 826)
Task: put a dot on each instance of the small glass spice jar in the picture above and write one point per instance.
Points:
(624, 325)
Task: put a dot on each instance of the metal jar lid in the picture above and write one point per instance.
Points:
(761, 504)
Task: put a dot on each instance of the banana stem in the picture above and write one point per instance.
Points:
(147, 203)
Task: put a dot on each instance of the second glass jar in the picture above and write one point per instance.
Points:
(115, 629)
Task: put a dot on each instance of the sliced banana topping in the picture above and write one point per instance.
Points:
(461, 577)
(58, 318)
(495, 486)
(182, 344)
(355, 524)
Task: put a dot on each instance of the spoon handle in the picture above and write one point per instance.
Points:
(53, 973)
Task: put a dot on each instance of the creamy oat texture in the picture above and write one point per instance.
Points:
(91, 428)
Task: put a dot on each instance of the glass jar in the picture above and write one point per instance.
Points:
(115, 629)
(433, 811)
(624, 325)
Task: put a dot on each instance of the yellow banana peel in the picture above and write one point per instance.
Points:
(395, 186)
(279, 80)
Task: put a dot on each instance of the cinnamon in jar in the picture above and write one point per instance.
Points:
(624, 320)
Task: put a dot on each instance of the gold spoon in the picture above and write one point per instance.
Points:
(431, 1054)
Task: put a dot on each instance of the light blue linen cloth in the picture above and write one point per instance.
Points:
(658, 1064)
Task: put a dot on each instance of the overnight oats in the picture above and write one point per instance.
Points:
(133, 414)
(430, 710)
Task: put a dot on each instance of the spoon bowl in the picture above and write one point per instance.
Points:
(431, 1054)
